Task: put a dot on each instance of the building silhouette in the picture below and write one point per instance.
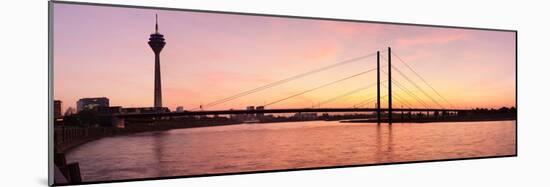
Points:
(179, 109)
(156, 42)
(57, 104)
(260, 115)
(91, 103)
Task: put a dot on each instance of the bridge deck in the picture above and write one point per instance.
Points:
(295, 110)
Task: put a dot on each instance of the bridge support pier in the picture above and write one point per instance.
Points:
(118, 122)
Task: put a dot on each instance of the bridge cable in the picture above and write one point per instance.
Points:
(410, 93)
(276, 83)
(321, 86)
(399, 98)
(421, 78)
(414, 84)
(407, 91)
(418, 87)
(345, 94)
(402, 100)
(363, 103)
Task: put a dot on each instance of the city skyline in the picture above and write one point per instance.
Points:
(212, 56)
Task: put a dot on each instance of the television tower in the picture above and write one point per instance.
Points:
(156, 41)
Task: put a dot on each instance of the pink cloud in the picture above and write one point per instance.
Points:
(430, 39)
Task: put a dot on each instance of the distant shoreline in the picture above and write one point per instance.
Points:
(429, 120)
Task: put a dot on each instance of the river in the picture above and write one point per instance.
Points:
(273, 146)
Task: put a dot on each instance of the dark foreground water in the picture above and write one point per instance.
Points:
(254, 147)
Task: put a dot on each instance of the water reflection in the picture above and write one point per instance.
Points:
(158, 146)
(254, 147)
(384, 143)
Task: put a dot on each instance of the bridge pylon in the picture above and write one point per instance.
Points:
(390, 112)
(378, 86)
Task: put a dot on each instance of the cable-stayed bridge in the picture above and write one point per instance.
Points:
(427, 100)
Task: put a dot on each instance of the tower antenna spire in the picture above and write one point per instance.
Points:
(156, 23)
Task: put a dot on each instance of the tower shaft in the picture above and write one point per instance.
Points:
(158, 85)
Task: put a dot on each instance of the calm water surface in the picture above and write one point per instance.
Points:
(254, 147)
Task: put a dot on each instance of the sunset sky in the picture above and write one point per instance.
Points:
(103, 52)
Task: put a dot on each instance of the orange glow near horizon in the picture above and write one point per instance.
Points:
(103, 52)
